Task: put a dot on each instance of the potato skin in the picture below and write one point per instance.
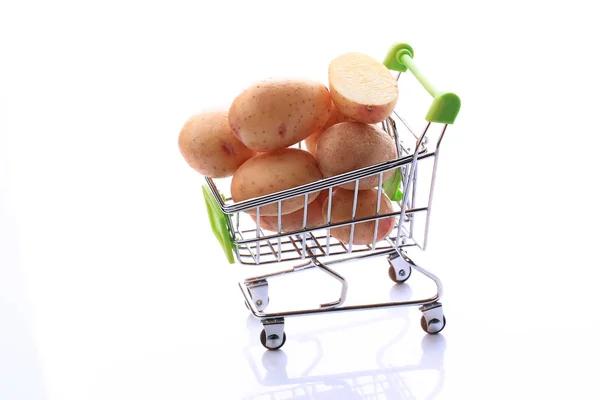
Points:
(209, 147)
(272, 172)
(275, 114)
(335, 117)
(295, 221)
(341, 211)
(349, 146)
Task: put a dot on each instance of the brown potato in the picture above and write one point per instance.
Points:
(341, 211)
(362, 88)
(272, 172)
(348, 146)
(208, 145)
(295, 221)
(335, 117)
(275, 114)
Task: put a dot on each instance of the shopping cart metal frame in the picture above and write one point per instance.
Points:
(319, 250)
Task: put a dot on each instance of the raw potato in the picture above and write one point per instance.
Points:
(348, 146)
(335, 117)
(341, 211)
(362, 88)
(272, 172)
(295, 221)
(275, 114)
(208, 145)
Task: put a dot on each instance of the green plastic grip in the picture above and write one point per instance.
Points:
(393, 186)
(445, 106)
(218, 223)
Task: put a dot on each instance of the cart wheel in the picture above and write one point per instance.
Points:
(273, 341)
(434, 326)
(404, 273)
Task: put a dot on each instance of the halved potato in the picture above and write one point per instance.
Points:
(362, 88)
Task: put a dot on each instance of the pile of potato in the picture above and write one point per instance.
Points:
(255, 142)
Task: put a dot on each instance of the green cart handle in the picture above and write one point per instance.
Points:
(218, 223)
(445, 106)
(443, 109)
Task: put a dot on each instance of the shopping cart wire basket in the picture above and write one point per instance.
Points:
(242, 238)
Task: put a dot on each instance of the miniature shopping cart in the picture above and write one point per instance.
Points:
(315, 247)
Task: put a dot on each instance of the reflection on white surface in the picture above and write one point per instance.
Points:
(20, 366)
(380, 383)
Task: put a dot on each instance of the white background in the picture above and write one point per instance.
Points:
(112, 286)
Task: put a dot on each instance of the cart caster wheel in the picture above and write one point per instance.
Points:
(434, 326)
(273, 342)
(259, 293)
(400, 267)
(402, 276)
(272, 336)
(433, 319)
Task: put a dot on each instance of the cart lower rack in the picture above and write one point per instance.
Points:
(410, 189)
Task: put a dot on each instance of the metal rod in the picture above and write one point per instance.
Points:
(297, 268)
(251, 254)
(304, 225)
(385, 247)
(312, 187)
(279, 230)
(407, 185)
(329, 217)
(340, 278)
(438, 282)
(269, 245)
(354, 204)
(317, 242)
(298, 249)
(336, 225)
(413, 199)
(393, 129)
(294, 313)
(433, 175)
(378, 209)
(344, 247)
(257, 234)
(405, 123)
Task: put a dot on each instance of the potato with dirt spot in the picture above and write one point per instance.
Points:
(208, 145)
(275, 114)
(366, 206)
(335, 117)
(272, 172)
(362, 88)
(349, 146)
